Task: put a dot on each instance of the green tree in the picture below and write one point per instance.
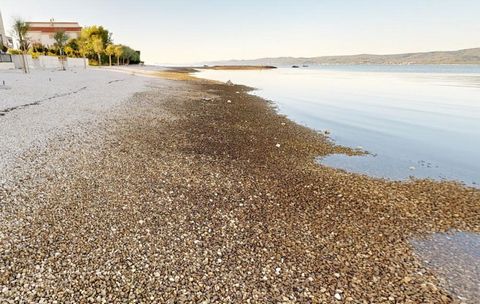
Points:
(135, 57)
(61, 39)
(118, 52)
(110, 51)
(126, 54)
(73, 48)
(69, 51)
(20, 29)
(83, 49)
(90, 32)
(129, 54)
(94, 40)
(98, 48)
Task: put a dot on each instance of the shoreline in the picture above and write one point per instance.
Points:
(390, 138)
(184, 195)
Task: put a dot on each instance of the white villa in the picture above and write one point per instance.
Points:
(4, 39)
(43, 32)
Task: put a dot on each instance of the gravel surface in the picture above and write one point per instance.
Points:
(194, 191)
(47, 103)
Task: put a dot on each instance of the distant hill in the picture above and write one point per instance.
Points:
(240, 67)
(467, 56)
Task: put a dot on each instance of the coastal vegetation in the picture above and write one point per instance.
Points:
(95, 43)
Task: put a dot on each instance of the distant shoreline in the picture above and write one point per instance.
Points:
(238, 67)
(465, 56)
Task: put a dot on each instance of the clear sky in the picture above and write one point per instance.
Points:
(190, 31)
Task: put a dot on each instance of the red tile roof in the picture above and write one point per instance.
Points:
(47, 29)
(49, 22)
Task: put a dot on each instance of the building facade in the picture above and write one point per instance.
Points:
(43, 32)
(4, 39)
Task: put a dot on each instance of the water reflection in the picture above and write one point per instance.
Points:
(383, 166)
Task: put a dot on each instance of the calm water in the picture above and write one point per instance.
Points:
(419, 121)
(455, 258)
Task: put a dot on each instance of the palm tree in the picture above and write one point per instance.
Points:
(20, 29)
(60, 40)
(98, 48)
(118, 52)
(110, 51)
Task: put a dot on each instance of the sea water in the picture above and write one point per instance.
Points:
(419, 121)
(455, 258)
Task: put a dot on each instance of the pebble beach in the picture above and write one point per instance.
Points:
(121, 188)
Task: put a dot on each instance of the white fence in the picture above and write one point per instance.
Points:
(77, 62)
(18, 61)
(48, 62)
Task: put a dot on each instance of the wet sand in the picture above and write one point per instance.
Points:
(195, 191)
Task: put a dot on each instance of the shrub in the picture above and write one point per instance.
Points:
(93, 62)
(14, 52)
(34, 54)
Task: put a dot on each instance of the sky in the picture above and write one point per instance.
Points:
(195, 31)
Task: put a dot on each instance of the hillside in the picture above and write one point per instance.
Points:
(467, 56)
